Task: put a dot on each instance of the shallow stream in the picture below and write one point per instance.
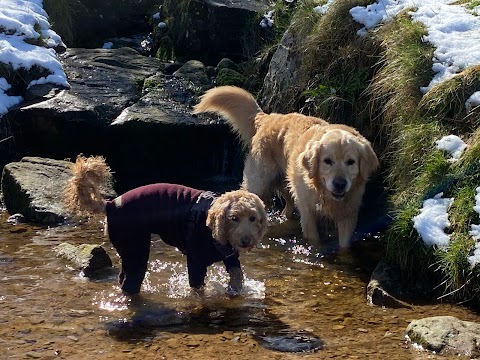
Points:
(296, 304)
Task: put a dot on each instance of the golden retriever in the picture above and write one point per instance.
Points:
(206, 227)
(318, 167)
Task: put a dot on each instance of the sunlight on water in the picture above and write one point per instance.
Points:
(276, 217)
(216, 284)
(113, 301)
(170, 280)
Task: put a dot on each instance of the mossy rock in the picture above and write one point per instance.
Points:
(229, 77)
(226, 63)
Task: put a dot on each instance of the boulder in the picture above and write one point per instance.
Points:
(194, 72)
(34, 186)
(209, 30)
(86, 23)
(103, 82)
(89, 258)
(122, 106)
(281, 85)
(446, 335)
(384, 288)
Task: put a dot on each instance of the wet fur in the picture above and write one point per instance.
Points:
(304, 158)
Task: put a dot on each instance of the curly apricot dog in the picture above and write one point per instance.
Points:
(321, 168)
(206, 227)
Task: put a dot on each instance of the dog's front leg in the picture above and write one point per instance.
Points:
(345, 230)
(308, 220)
(236, 280)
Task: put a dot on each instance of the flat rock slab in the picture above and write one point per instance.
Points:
(446, 335)
(34, 188)
(89, 258)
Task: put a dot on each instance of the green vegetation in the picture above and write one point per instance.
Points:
(61, 16)
(229, 77)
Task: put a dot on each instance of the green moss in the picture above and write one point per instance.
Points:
(461, 213)
(229, 77)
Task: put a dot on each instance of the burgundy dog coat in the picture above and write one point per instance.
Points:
(178, 215)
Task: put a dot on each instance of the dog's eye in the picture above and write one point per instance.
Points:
(328, 161)
(350, 162)
(234, 218)
(252, 218)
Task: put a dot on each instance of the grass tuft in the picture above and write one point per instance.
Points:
(446, 101)
(61, 15)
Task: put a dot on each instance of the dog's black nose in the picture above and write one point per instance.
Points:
(245, 241)
(339, 183)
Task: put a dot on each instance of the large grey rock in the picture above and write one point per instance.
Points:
(103, 83)
(446, 335)
(282, 85)
(209, 30)
(89, 258)
(154, 137)
(34, 188)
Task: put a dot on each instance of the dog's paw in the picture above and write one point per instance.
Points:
(233, 291)
(198, 291)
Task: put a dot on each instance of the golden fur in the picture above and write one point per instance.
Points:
(236, 217)
(315, 165)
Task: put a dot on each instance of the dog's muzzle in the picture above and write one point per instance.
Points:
(339, 188)
(246, 242)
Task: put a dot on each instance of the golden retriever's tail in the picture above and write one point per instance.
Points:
(237, 105)
(82, 194)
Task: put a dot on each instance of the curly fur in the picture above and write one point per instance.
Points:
(82, 194)
(239, 218)
(312, 163)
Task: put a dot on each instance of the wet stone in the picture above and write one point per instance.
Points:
(293, 343)
(33, 355)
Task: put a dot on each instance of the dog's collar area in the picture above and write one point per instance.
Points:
(199, 211)
(226, 250)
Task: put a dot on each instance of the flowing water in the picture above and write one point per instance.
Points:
(296, 304)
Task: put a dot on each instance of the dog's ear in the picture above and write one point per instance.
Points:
(310, 158)
(368, 160)
(263, 216)
(217, 219)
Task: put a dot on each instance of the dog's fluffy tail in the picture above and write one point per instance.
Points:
(237, 105)
(82, 194)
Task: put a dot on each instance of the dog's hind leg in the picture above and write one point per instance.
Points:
(289, 204)
(134, 251)
(259, 177)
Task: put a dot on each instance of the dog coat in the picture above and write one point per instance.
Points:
(178, 215)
